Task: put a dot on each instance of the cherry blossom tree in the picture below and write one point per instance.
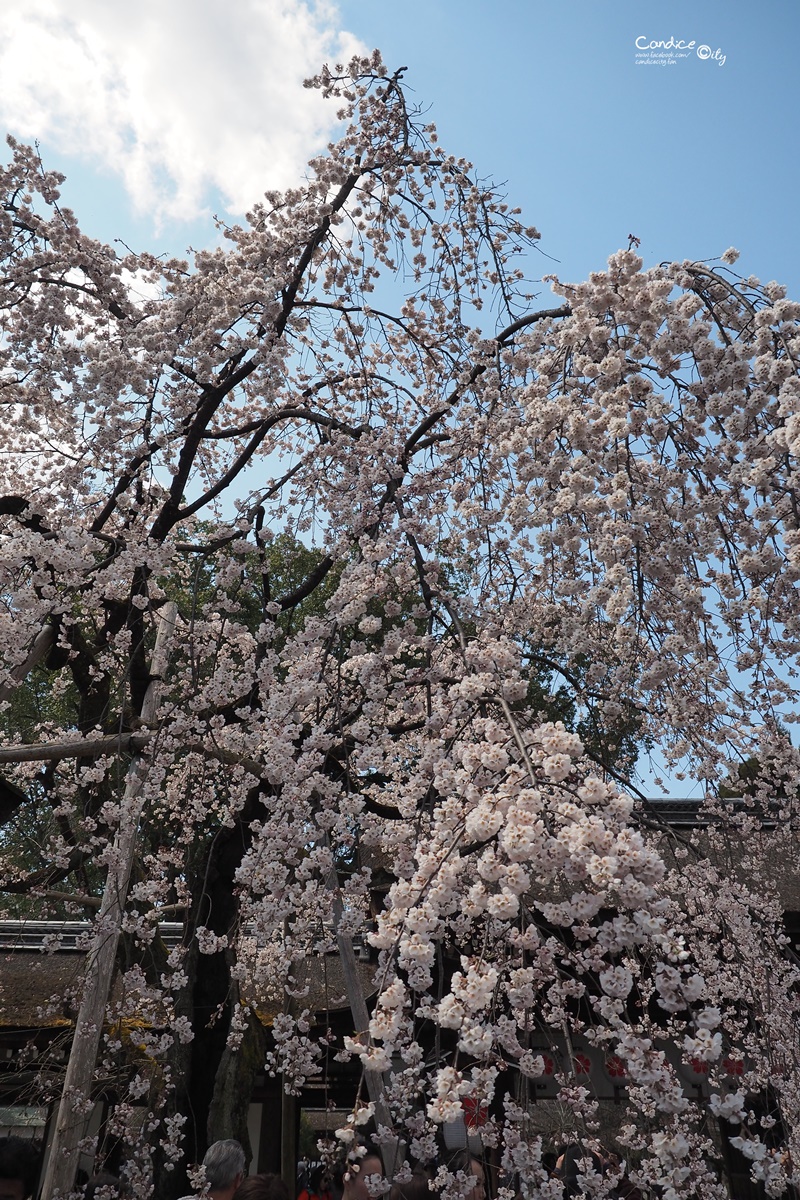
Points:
(471, 488)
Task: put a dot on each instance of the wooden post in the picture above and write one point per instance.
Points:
(289, 1142)
(76, 1104)
(376, 1084)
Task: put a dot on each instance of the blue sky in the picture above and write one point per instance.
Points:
(691, 157)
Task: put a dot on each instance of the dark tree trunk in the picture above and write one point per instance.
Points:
(233, 1087)
(215, 1090)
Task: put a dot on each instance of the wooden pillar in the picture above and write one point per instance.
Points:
(76, 1105)
(289, 1122)
(270, 1142)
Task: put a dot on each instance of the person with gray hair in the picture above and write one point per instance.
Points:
(224, 1167)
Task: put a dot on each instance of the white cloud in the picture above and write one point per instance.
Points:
(178, 97)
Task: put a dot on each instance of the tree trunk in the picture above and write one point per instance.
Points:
(216, 1082)
(233, 1086)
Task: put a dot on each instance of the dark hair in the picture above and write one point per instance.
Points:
(111, 1185)
(224, 1160)
(462, 1160)
(415, 1189)
(317, 1176)
(21, 1158)
(262, 1187)
(574, 1158)
(354, 1166)
(371, 1151)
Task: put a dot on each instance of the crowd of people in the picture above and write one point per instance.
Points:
(348, 1181)
(225, 1176)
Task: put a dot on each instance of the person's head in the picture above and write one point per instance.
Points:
(262, 1187)
(319, 1181)
(20, 1160)
(355, 1187)
(103, 1186)
(224, 1166)
(462, 1160)
(549, 1160)
(416, 1188)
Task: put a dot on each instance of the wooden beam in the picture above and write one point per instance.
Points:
(71, 1121)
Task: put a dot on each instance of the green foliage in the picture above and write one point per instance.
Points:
(26, 818)
(612, 741)
(759, 785)
(267, 576)
(307, 1140)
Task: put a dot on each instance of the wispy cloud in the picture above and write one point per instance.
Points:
(178, 97)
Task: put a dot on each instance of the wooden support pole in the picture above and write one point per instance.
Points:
(289, 1142)
(375, 1081)
(76, 1102)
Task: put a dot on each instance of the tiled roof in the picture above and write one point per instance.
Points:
(33, 986)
